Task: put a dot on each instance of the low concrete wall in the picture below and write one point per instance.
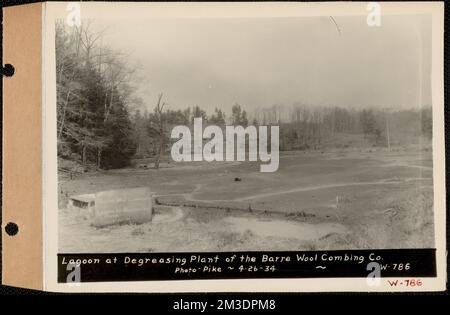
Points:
(120, 206)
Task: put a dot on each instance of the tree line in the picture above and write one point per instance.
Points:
(302, 127)
(98, 123)
(94, 97)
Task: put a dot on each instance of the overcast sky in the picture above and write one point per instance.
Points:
(265, 61)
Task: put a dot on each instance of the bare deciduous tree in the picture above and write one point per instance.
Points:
(159, 128)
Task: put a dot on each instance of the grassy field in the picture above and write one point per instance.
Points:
(316, 200)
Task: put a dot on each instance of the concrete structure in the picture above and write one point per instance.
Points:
(82, 202)
(118, 206)
(134, 205)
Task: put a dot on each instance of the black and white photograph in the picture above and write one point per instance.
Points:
(245, 134)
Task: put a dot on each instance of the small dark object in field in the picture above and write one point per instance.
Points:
(250, 208)
(137, 232)
(237, 179)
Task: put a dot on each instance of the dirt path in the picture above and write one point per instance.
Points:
(422, 167)
(190, 196)
(338, 185)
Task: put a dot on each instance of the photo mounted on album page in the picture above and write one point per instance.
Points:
(243, 147)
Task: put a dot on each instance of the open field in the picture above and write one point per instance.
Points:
(316, 200)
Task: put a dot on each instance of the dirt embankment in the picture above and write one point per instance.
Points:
(342, 200)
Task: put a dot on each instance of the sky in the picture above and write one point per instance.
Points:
(259, 62)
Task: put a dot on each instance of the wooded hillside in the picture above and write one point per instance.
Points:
(101, 126)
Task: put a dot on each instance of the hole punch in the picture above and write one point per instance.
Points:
(8, 70)
(11, 229)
